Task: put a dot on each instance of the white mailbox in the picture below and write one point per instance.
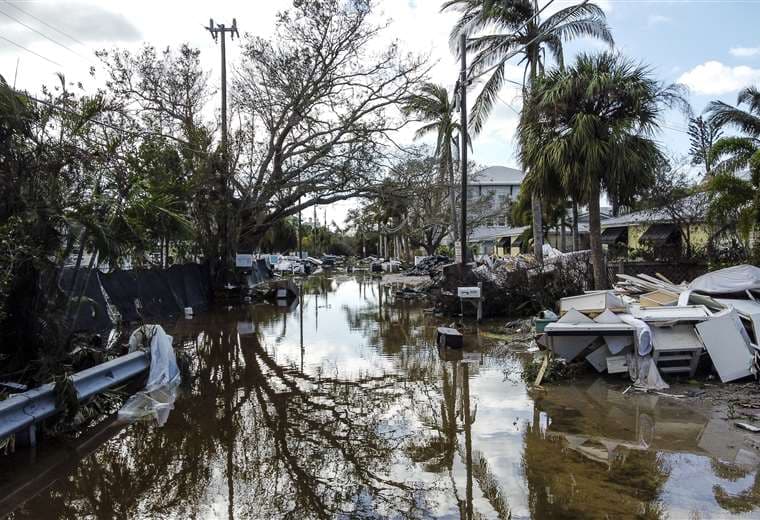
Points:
(468, 292)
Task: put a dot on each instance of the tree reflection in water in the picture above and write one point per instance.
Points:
(276, 421)
(256, 438)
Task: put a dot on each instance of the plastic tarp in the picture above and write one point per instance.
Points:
(156, 400)
(738, 278)
(643, 333)
(644, 373)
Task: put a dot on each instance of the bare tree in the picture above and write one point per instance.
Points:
(318, 106)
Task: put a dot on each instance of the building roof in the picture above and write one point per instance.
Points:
(694, 210)
(497, 176)
(493, 233)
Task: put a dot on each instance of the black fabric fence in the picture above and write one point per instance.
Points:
(137, 294)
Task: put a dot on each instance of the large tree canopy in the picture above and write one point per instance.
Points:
(319, 102)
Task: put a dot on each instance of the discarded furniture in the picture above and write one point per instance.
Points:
(692, 313)
(592, 302)
(658, 298)
(727, 343)
(677, 349)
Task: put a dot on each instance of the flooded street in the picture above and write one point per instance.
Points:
(342, 407)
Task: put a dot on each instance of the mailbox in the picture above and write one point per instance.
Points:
(468, 292)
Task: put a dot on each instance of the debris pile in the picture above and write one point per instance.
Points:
(517, 286)
(428, 266)
(647, 326)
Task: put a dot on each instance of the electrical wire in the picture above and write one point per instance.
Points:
(13, 5)
(42, 34)
(30, 51)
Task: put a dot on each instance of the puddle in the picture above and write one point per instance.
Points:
(341, 407)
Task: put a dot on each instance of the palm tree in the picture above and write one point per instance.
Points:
(433, 106)
(501, 29)
(736, 197)
(591, 127)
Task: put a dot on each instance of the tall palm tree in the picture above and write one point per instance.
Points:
(592, 126)
(433, 106)
(498, 30)
(737, 197)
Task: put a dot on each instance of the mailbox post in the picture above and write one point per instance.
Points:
(472, 295)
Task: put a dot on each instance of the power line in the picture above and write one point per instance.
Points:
(12, 4)
(30, 51)
(41, 34)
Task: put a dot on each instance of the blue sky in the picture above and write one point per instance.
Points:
(713, 45)
(690, 42)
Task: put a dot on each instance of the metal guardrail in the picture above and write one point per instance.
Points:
(21, 412)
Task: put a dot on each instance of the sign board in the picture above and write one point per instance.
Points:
(458, 252)
(243, 260)
(468, 292)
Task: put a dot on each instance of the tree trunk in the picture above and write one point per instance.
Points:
(562, 234)
(576, 235)
(538, 229)
(535, 200)
(595, 234)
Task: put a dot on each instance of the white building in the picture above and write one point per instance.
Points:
(501, 186)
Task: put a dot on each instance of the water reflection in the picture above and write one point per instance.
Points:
(339, 406)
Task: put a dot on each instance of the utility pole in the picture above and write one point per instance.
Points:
(463, 143)
(300, 242)
(215, 31)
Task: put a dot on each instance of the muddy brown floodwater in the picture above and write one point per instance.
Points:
(340, 407)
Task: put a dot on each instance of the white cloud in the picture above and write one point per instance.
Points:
(713, 78)
(744, 52)
(657, 19)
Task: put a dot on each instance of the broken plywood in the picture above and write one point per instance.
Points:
(659, 298)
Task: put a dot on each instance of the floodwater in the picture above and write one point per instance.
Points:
(340, 407)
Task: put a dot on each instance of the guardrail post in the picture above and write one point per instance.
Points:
(27, 438)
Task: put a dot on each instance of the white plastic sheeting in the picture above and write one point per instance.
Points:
(734, 279)
(156, 400)
(644, 373)
(643, 333)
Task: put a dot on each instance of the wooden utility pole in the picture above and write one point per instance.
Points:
(463, 143)
(216, 30)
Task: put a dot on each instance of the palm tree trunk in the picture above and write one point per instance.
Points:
(562, 234)
(535, 200)
(576, 235)
(595, 234)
